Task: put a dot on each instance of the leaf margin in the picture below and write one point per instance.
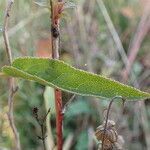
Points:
(6, 70)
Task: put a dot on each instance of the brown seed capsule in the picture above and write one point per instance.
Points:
(35, 112)
(109, 135)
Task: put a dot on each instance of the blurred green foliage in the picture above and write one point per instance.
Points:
(87, 44)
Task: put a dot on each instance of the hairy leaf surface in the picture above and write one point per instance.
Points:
(58, 74)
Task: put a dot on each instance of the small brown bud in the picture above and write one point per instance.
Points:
(35, 112)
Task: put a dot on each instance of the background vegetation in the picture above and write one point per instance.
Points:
(86, 43)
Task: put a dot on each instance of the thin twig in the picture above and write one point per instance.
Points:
(12, 87)
(107, 116)
(44, 119)
(43, 136)
(5, 35)
(41, 122)
(68, 103)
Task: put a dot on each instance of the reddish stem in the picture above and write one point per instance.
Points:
(59, 118)
(55, 55)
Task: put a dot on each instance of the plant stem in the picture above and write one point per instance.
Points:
(107, 116)
(12, 87)
(58, 94)
(59, 118)
(43, 136)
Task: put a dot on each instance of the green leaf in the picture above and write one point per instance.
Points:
(60, 75)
